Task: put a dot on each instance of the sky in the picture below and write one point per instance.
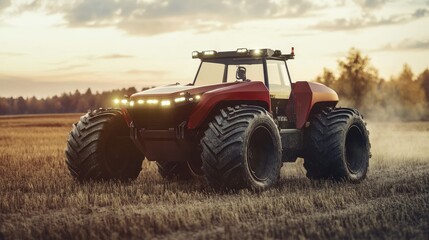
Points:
(50, 47)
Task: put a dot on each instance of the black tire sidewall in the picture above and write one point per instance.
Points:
(132, 166)
(355, 121)
(268, 123)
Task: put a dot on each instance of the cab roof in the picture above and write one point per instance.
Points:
(243, 53)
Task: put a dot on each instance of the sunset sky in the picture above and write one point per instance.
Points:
(50, 47)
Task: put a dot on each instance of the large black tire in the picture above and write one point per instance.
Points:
(174, 170)
(241, 149)
(100, 148)
(337, 146)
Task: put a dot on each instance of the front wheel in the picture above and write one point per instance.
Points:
(100, 148)
(241, 149)
(337, 146)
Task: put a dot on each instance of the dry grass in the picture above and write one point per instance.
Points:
(38, 199)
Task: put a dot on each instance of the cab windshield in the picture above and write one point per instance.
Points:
(216, 72)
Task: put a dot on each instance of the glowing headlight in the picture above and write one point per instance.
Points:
(197, 97)
(179, 99)
(242, 50)
(116, 101)
(131, 103)
(209, 53)
(165, 103)
(140, 101)
(257, 52)
(124, 101)
(152, 101)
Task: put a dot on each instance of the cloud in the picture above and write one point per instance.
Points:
(68, 67)
(406, 44)
(151, 17)
(369, 20)
(421, 12)
(115, 56)
(4, 4)
(370, 4)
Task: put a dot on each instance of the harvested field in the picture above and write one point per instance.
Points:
(38, 198)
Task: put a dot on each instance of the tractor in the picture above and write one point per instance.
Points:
(235, 125)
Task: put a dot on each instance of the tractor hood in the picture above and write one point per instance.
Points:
(176, 90)
(169, 106)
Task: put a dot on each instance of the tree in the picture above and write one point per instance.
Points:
(410, 94)
(20, 106)
(327, 78)
(82, 105)
(423, 80)
(357, 78)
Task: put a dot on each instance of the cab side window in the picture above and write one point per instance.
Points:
(279, 84)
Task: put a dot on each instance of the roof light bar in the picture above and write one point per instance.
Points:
(257, 52)
(243, 50)
(209, 53)
(243, 53)
(195, 54)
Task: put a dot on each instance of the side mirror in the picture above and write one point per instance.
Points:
(241, 73)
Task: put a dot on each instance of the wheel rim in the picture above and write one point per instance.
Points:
(355, 149)
(261, 153)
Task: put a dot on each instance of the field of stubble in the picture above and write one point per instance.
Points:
(39, 200)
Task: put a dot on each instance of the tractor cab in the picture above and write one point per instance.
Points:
(244, 65)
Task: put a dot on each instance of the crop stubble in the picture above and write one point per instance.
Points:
(38, 198)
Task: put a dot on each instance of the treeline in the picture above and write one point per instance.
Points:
(66, 103)
(402, 97)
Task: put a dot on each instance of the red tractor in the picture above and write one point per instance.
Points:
(234, 125)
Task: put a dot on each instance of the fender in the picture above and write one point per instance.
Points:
(306, 95)
(242, 91)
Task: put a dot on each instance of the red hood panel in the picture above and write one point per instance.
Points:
(175, 90)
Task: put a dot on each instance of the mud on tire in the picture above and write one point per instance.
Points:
(241, 148)
(99, 147)
(337, 146)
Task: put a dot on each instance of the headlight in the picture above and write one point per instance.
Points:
(209, 53)
(116, 101)
(242, 50)
(131, 103)
(257, 52)
(197, 97)
(124, 101)
(140, 101)
(165, 103)
(195, 54)
(152, 101)
(179, 99)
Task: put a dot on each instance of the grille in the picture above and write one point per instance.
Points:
(160, 118)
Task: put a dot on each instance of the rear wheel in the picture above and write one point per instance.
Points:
(337, 146)
(241, 149)
(99, 148)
